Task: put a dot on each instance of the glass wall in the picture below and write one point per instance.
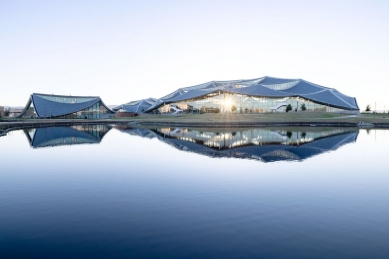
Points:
(93, 112)
(236, 103)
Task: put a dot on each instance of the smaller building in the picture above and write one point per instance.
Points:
(134, 108)
(66, 107)
(14, 112)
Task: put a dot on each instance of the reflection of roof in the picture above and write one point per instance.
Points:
(58, 105)
(60, 136)
(273, 153)
(144, 133)
(266, 152)
(264, 87)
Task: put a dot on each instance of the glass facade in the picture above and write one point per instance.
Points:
(95, 111)
(237, 103)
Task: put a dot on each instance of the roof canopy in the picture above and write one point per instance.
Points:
(138, 106)
(58, 105)
(263, 87)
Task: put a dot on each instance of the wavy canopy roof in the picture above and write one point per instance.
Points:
(59, 105)
(138, 106)
(264, 87)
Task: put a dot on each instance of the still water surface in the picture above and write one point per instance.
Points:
(120, 192)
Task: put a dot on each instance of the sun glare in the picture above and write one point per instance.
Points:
(228, 103)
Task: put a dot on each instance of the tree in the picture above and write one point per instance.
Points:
(368, 108)
(7, 111)
(289, 134)
(288, 108)
(303, 108)
(233, 108)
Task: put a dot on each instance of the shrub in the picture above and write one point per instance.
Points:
(368, 108)
(303, 108)
(288, 108)
(7, 112)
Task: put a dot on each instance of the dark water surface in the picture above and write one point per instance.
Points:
(120, 192)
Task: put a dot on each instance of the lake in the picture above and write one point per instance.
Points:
(113, 191)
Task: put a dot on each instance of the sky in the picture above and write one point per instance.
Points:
(130, 50)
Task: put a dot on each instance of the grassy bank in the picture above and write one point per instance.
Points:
(292, 117)
(214, 120)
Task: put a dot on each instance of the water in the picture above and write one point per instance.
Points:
(119, 192)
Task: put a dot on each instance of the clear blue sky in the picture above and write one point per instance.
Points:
(128, 50)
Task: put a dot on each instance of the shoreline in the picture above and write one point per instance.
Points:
(13, 125)
(213, 121)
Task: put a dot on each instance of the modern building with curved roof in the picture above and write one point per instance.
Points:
(136, 107)
(69, 107)
(265, 94)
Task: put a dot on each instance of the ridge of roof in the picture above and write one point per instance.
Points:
(69, 96)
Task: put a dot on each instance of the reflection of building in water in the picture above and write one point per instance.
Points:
(144, 133)
(262, 144)
(60, 136)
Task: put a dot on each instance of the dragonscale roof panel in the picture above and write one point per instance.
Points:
(327, 97)
(192, 94)
(267, 80)
(304, 87)
(258, 90)
(137, 106)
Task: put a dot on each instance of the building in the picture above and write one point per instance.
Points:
(67, 107)
(265, 94)
(134, 107)
(14, 112)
